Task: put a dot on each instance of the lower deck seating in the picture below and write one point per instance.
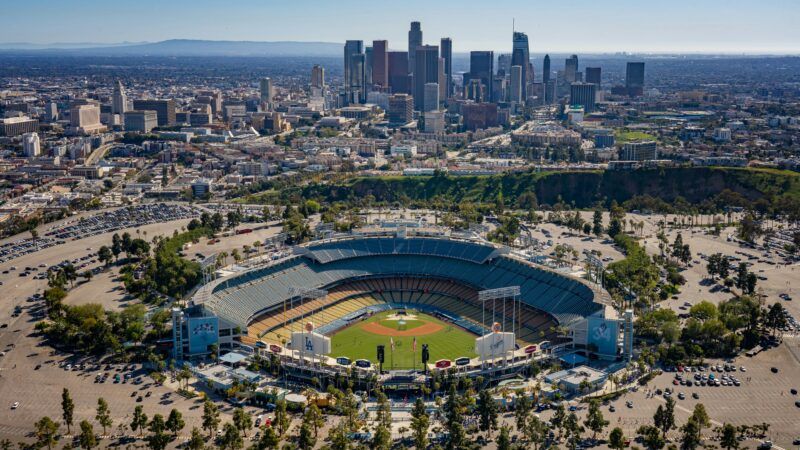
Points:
(443, 295)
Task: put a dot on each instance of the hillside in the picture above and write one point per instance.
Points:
(584, 189)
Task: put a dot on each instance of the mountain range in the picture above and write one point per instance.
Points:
(180, 47)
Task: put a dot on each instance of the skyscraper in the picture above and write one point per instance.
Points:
(119, 102)
(267, 90)
(367, 67)
(431, 97)
(583, 94)
(481, 67)
(354, 75)
(634, 78)
(398, 73)
(317, 76)
(426, 70)
(593, 75)
(546, 69)
(380, 63)
(447, 54)
(516, 84)
(571, 69)
(414, 41)
(521, 56)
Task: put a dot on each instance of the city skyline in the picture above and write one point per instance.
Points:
(713, 26)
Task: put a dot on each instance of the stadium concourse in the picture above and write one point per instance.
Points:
(337, 282)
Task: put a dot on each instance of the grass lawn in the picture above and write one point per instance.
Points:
(630, 136)
(450, 342)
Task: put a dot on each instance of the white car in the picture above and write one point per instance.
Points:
(15, 405)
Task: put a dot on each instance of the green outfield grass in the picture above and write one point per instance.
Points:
(450, 342)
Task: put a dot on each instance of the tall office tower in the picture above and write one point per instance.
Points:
(481, 67)
(447, 54)
(634, 78)
(119, 102)
(442, 80)
(164, 108)
(354, 75)
(317, 76)
(368, 67)
(571, 69)
(474, 90)
(521, 56)
(426, 70)
(516, 84)
(380, 63)
(267, 90)
(31, 145)
(503, 65)
(546, 69)
(401, 108)
(358, 78)
(398, 73)
(593, 75)
(414, 41)
(583, 94)
(431, 99)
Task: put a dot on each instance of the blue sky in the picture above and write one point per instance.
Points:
(729, 26)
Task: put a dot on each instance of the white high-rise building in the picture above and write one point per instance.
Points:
(434, 121)
(119, 103)
(31, 145)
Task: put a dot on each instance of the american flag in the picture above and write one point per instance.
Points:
(391, 342)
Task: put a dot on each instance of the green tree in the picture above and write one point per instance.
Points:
(597, 222)
(382, 439)
(46, 432)
(572, 431)
(86, 439)
(281, 417)
(269, 440)
(690, 435)
(67, 408)
(139, 420)
(616, 439)
(487, 412)
(664, 418)
(103, 415)
(503, 439)
(700, 416)
(535, 430)
(158, 438)
(242, 420)
(210, 417)
(340, 439)
(522, 409)
(313, 416)
(306, 439)
(420, 421)
(729, 437)
(594, 419)
(196, 441)
(175, 422)
(105, 256)
(652, 437)
(231, 439)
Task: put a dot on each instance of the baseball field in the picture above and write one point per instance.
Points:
(360, 340)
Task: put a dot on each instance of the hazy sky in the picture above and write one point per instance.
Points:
(730, 26)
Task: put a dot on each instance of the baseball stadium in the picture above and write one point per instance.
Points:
(401, 291)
